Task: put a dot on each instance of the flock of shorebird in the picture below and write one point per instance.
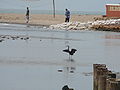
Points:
(3, 37)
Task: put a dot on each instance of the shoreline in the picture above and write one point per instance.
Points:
(77, 22)
(43, 19)
(25, 24)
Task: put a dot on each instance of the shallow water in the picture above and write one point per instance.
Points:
(39, 63)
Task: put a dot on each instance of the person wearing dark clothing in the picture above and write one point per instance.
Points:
(67, 15)
(27, 15)
(65, 87)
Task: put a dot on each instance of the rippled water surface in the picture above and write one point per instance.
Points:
(38, 63)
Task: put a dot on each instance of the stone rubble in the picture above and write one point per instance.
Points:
(84, 26)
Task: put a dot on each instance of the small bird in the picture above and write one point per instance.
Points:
(71, 52)
(1, 40)
(26, 38)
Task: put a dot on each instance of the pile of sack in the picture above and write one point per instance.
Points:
(84, 26)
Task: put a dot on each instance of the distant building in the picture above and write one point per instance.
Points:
(113, 10)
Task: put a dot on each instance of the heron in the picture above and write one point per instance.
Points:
(70, 52)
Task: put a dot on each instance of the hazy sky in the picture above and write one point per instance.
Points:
(73, 5)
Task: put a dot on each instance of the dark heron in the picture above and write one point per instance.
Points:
(70, 52)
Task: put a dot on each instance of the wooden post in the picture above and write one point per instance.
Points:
(102, 82)
(96, 74)
(113, 84)
(107, 84)
(111, 75)
(104, 79)
(118, 85)
(54, 8)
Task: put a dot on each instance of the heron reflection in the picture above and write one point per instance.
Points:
(69, 66)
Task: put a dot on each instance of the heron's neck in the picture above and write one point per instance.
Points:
(68, 47)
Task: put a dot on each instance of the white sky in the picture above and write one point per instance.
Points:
(73, 5)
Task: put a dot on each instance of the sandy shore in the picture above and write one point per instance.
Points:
(43, 19)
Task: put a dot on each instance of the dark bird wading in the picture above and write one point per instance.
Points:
(70, 52)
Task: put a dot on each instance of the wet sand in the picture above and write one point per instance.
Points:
(43, 19)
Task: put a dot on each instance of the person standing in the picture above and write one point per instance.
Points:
(27, 15)
(67, 15)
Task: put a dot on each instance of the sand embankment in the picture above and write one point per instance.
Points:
(43, 19)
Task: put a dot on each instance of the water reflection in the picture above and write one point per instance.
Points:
(109, 43)
(69, 66)
(68, 69)
(112, 39)
(67, 37)
(111, 36)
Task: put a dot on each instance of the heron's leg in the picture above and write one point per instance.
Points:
(69, 57)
